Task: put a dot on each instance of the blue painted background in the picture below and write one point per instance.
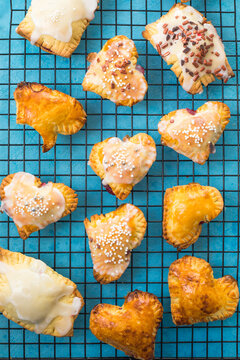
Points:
(64, 246)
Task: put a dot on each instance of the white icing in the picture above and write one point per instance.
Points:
(28, 204)
(176, 46)
(125, 162)
(55, 17)
(193, 131)
(112, 244)
(36, 297)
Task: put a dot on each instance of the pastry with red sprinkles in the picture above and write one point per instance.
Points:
(112, 237)
(195, 133)
(121, 164)
(114, 73)
(33, 205)
(186, 208)
(186, 40)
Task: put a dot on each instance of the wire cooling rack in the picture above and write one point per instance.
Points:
(64, 245)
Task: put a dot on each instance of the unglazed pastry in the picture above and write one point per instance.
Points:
(196, 296)
(56, 26)
(195, 133)
(131, 328)
(36, 297)
(186, 40)
(121, 164)
(114, 73)
(112, 237)
(49, 112)
(33, 205)
(186, 208)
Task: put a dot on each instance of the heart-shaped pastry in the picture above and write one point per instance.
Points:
(113, 73)
(187, 41)
(49, 112)
(195, 133)
(33, 205)
(186, 208)
(131, 328)
(123, 164)
(196, 296)
(112, 237)
(36, 297)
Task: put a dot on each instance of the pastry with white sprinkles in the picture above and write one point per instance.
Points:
(195, 133)
(185, 39)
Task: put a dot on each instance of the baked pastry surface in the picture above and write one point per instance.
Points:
(186, 40)
(112, 237)
(36, 297)
(49, 112)
(186, 208)
(33, 205)
(195, 133)
(122, 164)
(196, 296)
(57, 26)
(131, 328)
(114, 73)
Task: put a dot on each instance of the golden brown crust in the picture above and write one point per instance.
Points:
(132, 327)
(105, 269)
(70, 196)
(197, 152)
(49, 112)
(47, 42)
(206, 79)
(186, 208)
(121, 191)
(113, 74)
(196, 296)
(14, 258)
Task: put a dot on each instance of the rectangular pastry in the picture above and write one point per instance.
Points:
(186, 40)
(36, 297)
(57, 26)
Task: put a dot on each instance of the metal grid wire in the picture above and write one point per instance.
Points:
(64, 245)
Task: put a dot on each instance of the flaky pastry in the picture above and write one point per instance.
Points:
(49, 112)
(195, 133)
(114, 73)
(36, 297)
(196, 296)
(57, 26)
(186, 40)
(131, 328)
(33, 205)
(112, 237)
(123, 164)
(186, 208)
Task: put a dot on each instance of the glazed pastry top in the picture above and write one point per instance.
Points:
(55, 17)
(125, 162)
(35, 296)
(195, 128)
(195, 42)
(28, 204)
(114, 73)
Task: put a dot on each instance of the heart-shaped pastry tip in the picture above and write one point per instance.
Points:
(49, 112)
(113, 73)
(196, 296)
(121, 164)
(194, 133)
(32, 205)
(131, 328)
(186, 208)
(112, 237)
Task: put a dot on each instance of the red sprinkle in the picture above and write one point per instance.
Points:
(165, 25)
